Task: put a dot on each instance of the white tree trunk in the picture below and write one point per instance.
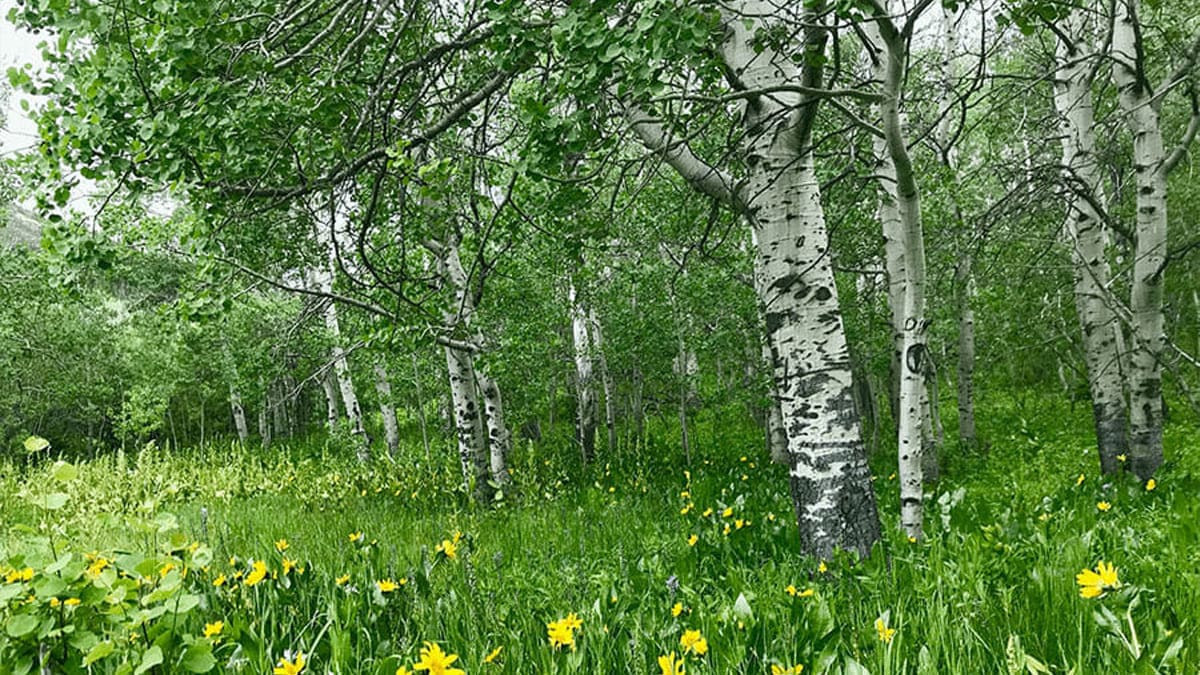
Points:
(331, 400)
(468, 420)
(323, 276)
(239, 414)
(585, 391)
(1086, 236)
(606, 380)
(781, 200)
(1146, 294)
(965, 283)
(387, 409)
(890, 59)
(499, 437)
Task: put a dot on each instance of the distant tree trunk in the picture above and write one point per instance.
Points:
(331, 399)
(606, 380)
(499, 437)
(468, 421)
(279, 409)
(965, 282)
(420, 405)
(239, 414)
(387, 409)
(1151, 165)
(585, 392)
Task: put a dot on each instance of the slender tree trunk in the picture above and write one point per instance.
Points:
(585, 392)
(278, 404)
(1087, 239)
(239, 414)
(468, 424)
(499, 437)
(606, 380)
(1146, 294)
(387, 409)
(420, 405)
(965, 283)
(890, 58)
(468, 421)
(331, 399)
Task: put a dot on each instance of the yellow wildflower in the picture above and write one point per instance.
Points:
(448, 548)
(1094, 584)
(219, 581)
(96, 567)
(693, 539)
(670, 666)
(1151, 484)
(342, 580)
(573, 622)
(885, 634)
(19, 575)
(693, 642)
(560, 634)
(492, 655)
(71, 602)
(281, 545)
(288, 565)
(356, 537)
(1079, 481)
(822, 568)
(437, 662)
(677, 609)
(726, 530)
(386, 586)
(403, 671)
(707, 512)
(286, 667)
(166, 569)
(214, 628)
(1122, 458)
(257, 574)
(780, 670)
(1103, 506)
(55, 602)
(727, 512)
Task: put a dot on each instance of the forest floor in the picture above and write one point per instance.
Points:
(133, 559)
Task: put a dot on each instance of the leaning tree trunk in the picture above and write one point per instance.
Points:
(499, 437)
(1086, 235)
(1146, 295)
(387, 409)
(890, 58)
(585, 391)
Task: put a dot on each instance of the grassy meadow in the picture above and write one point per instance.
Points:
(233, 559)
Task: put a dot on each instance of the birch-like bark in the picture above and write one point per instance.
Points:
(322, 276)
(264, 418)
(889, 54)
(606, 381)
(278, 405)
(1087, 238)
(420, 405)
(781, 201)
(777, 438)
(964, 272)
(499, 437)
(585, 391)
(460, 363)
(1146, 293)
(387, 409)
(830, 480)
(331, 399)
(239, 414)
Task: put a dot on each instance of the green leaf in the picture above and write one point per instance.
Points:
(64, 472)
(98, 652)
(21, 625)
(152, 657)
(198, 658)
(50, 502)
(36, 444)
